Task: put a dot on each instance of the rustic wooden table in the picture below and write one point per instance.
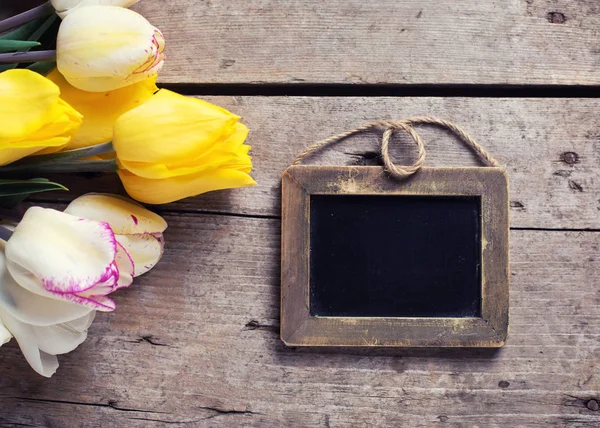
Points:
(196, 341)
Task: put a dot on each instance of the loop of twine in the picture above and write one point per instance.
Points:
(406, 125)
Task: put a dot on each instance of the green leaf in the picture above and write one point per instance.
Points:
(37, 33)
(109, 165)
(12, 201)
(24, 31)
(40, 161)
(12, 192)
(42, 67)
(14, 45)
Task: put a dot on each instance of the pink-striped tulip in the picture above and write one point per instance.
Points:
(137, 229)
(62, 256)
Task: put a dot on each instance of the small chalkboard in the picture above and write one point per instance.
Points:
(370, 261)
(395, 256)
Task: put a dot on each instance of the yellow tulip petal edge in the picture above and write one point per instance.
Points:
(173, 189)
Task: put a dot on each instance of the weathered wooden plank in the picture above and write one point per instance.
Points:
(551, 148)
(197, 341)
(352, 41)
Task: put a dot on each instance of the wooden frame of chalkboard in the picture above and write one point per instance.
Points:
(300, 327)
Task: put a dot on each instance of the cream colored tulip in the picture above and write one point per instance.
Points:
(64, 7)
(102, 48)
(43, 327)
(138, 230)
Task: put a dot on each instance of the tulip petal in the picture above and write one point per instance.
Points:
(126, 266)
(40, 361)
(230, 153)
(100, 110)
(5, 335)
(83, 323)
(101, 48)
(31, 308)
(145, 249)
(27, 101)
(172, 189)
(73, 255)
(124, 216)
(62, 338)
(8, 155)
(34, 309)
(170, 129)
(32, 116)
(98, 302)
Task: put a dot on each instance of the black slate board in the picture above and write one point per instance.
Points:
(395, 256)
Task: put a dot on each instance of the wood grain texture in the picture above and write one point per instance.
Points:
(551, 149)
(353, 41)
(196, 341)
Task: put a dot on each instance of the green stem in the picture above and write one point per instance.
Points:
(20, 57)
(29, 15)
(98, 149)
(5, 233)
(79, 166)
(35, 163)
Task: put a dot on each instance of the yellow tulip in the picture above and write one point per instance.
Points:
(172, 147)
(64, 7)
(102, 48)
(101, 109)
(32, 116)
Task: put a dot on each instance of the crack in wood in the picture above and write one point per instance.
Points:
(549, 229)
(217, 412)
(7, 423)
(162, 421)
(148, 339)
(163, 212)
(228, 411)
(255, 325)
(111, 404)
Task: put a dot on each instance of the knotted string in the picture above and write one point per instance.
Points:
(405, 125)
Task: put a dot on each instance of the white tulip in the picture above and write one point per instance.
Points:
(102, 48)
(64, 7)
(61, 256)
(137, 229)
(43, 327)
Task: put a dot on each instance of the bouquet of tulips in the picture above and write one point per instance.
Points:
(92, 104)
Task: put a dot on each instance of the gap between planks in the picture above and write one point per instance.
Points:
(384, 90)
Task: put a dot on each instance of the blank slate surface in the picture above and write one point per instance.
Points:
(395, 256)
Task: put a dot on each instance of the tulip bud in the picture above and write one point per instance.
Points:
(32, 116)
(137, 229)
(64, 7)
(102, 48)
(172, 147)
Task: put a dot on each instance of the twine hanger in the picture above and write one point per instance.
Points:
(405, 125)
